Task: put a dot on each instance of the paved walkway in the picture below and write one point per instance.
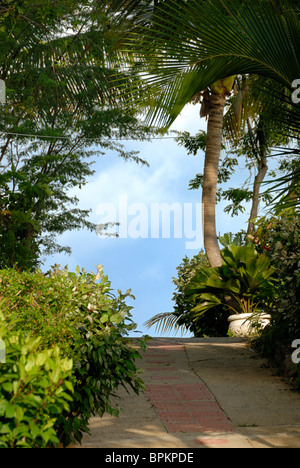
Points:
(202, 393)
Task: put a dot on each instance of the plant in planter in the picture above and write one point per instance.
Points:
(181, 318)
(243, 284)
(249, 322)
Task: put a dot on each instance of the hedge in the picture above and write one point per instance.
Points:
(83, 320)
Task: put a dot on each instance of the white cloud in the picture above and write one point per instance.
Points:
(118, 183)
(161, 182)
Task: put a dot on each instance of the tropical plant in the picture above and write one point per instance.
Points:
(286, 187)
(254, 147)
(243, 284)
(246, 277)
(179, 58)
(253, 127)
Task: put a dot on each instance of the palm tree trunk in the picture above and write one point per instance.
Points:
(259, 151)
(259, 178)
(211, 167)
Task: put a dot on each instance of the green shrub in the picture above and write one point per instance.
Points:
(35, 388)
(79, 312)
(280, 239)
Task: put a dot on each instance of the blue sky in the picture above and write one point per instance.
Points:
(144, 265)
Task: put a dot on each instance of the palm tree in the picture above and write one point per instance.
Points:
(183, 49)
(216, 104)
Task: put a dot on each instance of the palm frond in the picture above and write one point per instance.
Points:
(69, 60)
(192, 44)
(287, 187)
(166, 322)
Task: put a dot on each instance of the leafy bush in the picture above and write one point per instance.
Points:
(280, 238)
(35, 388)
(79, 313)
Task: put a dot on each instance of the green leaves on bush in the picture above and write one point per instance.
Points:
(35, 388)
(280, 238)
(79, 313)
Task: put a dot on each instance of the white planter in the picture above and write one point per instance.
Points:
(246, 324)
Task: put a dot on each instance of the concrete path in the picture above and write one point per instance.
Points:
(202, 393)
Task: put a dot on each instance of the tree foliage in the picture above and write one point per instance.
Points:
(56, 62)
(175, 48)
(279, 237)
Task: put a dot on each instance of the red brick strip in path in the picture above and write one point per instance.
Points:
(183, 403)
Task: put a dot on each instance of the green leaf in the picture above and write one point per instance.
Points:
(116, 318)
(104, 318)
(10, 411)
